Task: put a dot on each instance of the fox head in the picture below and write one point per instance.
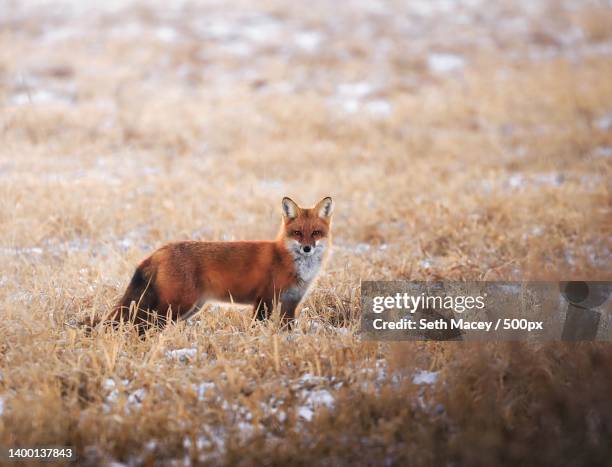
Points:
(306, 231)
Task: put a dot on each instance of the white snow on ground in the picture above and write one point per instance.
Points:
(166, 34)
(426, 263)
(39, 96)
(309, 388)
(545, 179)
(354, 97)
(214, 440)
(379, 108)
(134, 398)
(20, 251)
(604, 122)
(350, 105)
(425, 377)
(314, 400)
(355, 90)
(110, 385)
(321, 397)
(137, 396)
(182, 355)
(603, 151)
(305, 413)
(203, 388)
(308, 41)
(444, 62)
(310, 380)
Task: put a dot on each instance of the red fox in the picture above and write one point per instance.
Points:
(177, 279)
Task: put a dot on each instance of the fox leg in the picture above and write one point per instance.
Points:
(159, 317)
(263, 309)
(287, 313)
(141, 318)
(192, 311)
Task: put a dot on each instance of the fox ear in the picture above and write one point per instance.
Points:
(290, 209)
(325, 208)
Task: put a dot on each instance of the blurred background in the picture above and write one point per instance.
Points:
(131, 123)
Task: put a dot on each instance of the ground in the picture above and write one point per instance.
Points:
(464, 140)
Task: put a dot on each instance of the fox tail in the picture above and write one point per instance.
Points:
(142, 293)
(138, 305)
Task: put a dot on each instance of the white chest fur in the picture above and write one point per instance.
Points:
(306, 269)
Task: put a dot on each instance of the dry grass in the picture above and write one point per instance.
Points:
(459, 142)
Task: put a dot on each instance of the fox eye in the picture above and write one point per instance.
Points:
(296, 233)
(316, 233)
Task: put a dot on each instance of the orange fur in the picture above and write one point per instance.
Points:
(179, 277)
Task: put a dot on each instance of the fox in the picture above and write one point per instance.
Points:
(175, 281)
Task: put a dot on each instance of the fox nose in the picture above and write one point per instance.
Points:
(307, 249)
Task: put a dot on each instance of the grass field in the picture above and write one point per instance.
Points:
(459, 139)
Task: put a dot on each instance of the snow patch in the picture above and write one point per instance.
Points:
(314, 400)
(350, 106)
(203, 388)
(425, 377)
(40, 97)
(426, 263)
(110, 386)
(308, 41)
(136, 397)
(166, 34)
(603, 151)
(305, 413)
(264, 30)
(182, 355)
(444, 63)
(379, 108)
(271, 185)
(238, 48)
(355, 97)
(21, 251)
(357, 90)
(604, 122)
(517, 181)
(321, 397)
(308, 379)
